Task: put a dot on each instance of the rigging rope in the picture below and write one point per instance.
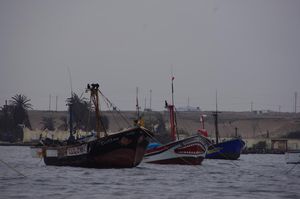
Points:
(12, 168)
(113, 116)
(117, 110)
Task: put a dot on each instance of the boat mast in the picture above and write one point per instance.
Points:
(94, 88)
(150, 111)
(215, 114)
(70, 104)
(172, 114)
(137, 104)
(71, 136)
(202, 121)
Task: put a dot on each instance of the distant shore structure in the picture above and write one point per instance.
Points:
(188, 108)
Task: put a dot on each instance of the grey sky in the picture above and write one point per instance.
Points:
(247, 50)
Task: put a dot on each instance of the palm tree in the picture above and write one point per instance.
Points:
(83, 117)
(80, 111)
(22, 101)
(48, 123)
(64, 125)
(21, 105)
(7, 124)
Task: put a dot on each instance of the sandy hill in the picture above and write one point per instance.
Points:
(248, 124)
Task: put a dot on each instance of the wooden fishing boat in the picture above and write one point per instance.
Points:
(124, 149)
(188, 151)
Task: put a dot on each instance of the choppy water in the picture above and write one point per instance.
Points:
(253, 176)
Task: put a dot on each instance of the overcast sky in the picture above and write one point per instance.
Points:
(246, 50)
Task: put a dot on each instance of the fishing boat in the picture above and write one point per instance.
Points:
(229, 149)
(124, 149)
(187, 151)
(292, 156)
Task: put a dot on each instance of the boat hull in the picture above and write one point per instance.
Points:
(189, 151)
(228, 150)
(292, 157)
(121, 150)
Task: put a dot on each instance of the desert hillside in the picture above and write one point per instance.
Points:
(248, 124)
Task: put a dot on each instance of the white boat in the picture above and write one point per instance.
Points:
(187, 151)
(292, 157)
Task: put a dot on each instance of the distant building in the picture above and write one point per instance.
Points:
(258, 112)
(188, 108)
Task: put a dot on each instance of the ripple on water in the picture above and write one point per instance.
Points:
(253, 176)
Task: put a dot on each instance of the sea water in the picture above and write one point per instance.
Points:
(252, 176)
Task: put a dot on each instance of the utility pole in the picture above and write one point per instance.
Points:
(49, 102)
(295, 102)
(56, 103)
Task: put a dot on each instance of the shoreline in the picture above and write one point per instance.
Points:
(16, 144)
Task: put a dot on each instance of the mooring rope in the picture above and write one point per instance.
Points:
(12, 168)
(151, 136)
(292, 168)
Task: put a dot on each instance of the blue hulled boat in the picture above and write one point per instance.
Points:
(229, 150)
